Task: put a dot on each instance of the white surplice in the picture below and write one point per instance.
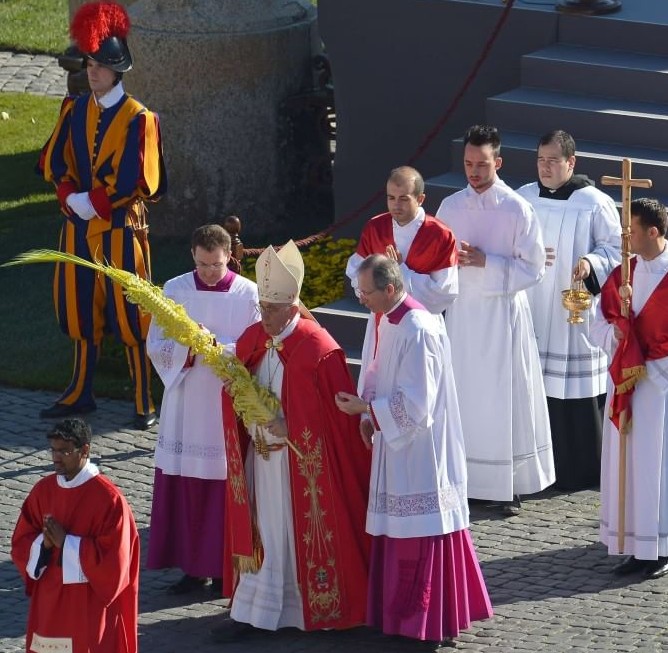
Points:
(190, 436)
(646, 512)
(435, 290)
(418, 469)
(271, 598)
(585, 225)
(494, 354)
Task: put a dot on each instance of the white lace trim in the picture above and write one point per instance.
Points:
(425, 503)
(404, 422)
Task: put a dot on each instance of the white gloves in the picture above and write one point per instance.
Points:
(80, 204)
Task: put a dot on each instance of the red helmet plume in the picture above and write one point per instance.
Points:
(95, 22)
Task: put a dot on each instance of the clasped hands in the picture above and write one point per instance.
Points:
(470, 256)
(54, 533)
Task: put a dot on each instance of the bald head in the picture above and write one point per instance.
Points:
(405, 175)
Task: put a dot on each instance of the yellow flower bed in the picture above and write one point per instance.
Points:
(324, 265)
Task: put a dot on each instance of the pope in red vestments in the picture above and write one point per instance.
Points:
(307, 500)
(77, 549)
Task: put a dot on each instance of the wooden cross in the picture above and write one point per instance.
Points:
(626, 182)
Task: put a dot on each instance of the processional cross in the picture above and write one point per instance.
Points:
(626, 182)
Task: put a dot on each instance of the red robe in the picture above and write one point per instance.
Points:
(329, 485)
(99, 616)
(433, 248)
(644, 339)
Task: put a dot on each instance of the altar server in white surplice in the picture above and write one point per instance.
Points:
(424, 579)
(187, 516)
(494, 354)
(582, 233)
(639, 350)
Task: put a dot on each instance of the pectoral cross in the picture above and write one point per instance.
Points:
(626, 182)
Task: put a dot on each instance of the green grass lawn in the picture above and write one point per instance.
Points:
(35, 26)
(34, 352)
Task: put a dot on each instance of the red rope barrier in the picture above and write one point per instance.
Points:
(426, 141)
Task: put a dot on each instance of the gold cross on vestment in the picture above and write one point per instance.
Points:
(626, 182)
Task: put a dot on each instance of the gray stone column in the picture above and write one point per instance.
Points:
(216, 71)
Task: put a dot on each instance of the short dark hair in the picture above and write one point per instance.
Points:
(561, 138)
(72, 429)
(211, 237)
(650, 213)
(384, 271)
(480, 135)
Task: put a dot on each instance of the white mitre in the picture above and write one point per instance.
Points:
(280, 274)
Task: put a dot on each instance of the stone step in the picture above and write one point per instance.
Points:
(625, 122)
(597, 71)
(440, 186)
(346, 321)
(613, 30)
(593, 159)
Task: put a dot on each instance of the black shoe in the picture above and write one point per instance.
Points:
(186, 584)
(65, 410)
(630, 565)
(232, 631)
(511, 508)
(145, 422)
(656, 568)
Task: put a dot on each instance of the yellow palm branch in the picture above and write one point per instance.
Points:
(252, 402)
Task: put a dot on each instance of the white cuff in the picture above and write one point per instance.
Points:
(72, 571)
(35, 550)
(80, 204)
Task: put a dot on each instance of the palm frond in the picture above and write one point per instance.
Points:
(252, 402)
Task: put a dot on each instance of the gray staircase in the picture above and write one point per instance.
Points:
(605, 81)
(346, 321)
(612, 99)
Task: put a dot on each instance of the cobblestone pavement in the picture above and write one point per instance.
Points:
(549, 580)
(38, 74)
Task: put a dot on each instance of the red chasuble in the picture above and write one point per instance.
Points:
(645, 338)
(99, 615)
(329, 484)
(433, 248)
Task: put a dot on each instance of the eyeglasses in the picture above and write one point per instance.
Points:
(359, 293)
(210, 266)
(63, 452)
(271, 309)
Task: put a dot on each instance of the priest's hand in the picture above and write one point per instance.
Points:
(54, 533)
(550, 256)
(366, 431)
(277, 427)
(392, 252)
(581, 270)
(470, 256)
(350, 404)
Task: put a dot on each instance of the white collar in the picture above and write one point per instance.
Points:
(415, 223)
(401, 299)
(111, 98)
(87, 472)
(289, 328)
